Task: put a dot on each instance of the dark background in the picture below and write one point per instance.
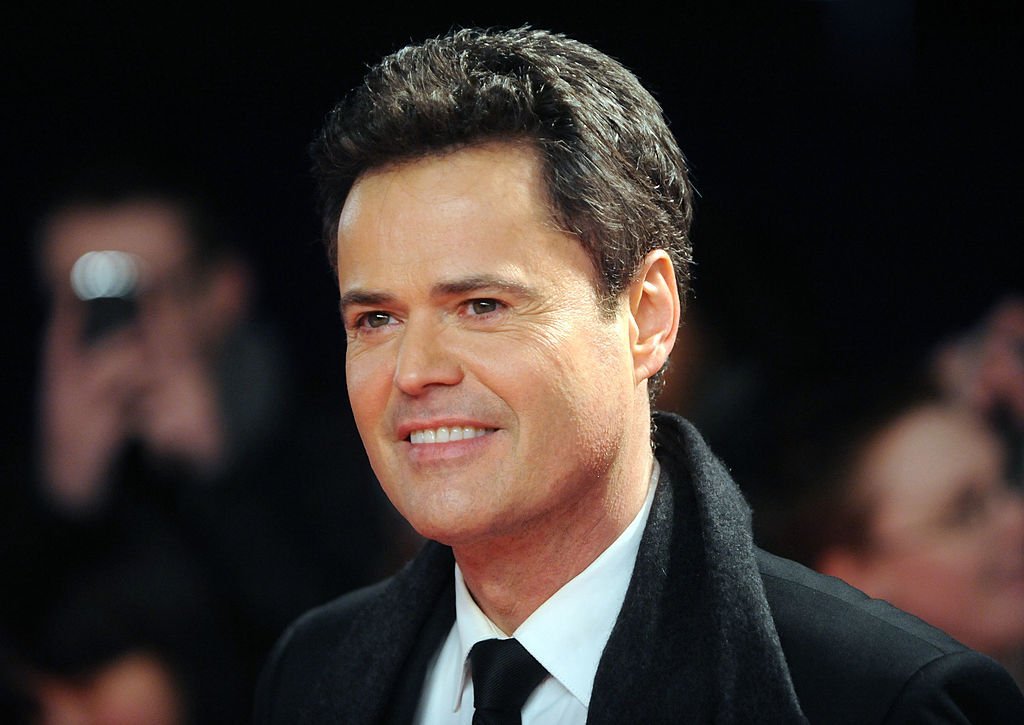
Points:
(859, 164)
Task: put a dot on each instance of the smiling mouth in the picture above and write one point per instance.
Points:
(447, 434)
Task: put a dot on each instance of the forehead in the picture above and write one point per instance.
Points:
(927, 456)
(152, 230)
(483, 206)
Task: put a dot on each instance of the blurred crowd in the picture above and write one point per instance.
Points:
(184, 503)
(904, 479)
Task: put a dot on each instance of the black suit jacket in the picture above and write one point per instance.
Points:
(712, 630)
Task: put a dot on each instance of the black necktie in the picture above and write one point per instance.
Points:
(504, 675)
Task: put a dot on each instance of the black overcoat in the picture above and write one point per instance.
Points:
(712, 630)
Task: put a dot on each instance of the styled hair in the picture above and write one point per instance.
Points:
(614, 174)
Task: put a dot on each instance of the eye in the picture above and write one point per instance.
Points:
(483, 306)
(374, 320)
(972, 507)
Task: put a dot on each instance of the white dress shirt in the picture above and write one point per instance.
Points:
(566, 634)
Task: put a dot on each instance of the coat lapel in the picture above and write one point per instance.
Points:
(694, 635)
(694, 638)
(381, 654)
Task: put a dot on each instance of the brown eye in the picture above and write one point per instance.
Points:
(484, 306)
(375, 319)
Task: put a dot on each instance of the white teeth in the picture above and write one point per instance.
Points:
(446, 434)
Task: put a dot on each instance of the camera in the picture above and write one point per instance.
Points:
(107, 283)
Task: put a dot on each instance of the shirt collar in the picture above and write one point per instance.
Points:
(569, 631)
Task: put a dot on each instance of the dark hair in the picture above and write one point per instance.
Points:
(117, 180)
(824, 433)
(615, 175)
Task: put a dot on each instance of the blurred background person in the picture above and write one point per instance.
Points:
(133, 635)
(185, 502)
(983, 369)
(145, 304)
(911, 494)
(913, 506)
(904, 480)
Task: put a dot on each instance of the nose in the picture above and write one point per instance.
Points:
(426, 358)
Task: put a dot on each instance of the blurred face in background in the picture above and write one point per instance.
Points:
(170, 297)
(136, 326)
(946, 536)
(136, 688)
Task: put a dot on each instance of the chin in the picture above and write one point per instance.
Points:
(445, 522)
(460, 529)
(449, 533)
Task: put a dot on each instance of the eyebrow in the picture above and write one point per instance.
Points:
(480, 282)
(463, 285)
(363, 298)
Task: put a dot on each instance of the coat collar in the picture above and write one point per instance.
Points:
(377, 668)
(694, 636)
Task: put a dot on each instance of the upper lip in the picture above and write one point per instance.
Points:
(404, 430)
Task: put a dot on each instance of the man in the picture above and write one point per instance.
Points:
(509, 217)
(149, 372)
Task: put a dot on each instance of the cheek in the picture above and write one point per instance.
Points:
(600, 376)
(932, 582)
(576, 398)
(368, 382)
(567, 377)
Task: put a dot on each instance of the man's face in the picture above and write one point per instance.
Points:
(471, 318)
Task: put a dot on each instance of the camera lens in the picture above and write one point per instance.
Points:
(105, 274)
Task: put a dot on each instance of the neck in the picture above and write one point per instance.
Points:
(512, 576)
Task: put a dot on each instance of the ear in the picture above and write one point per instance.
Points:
(226, 298)
(654, 314)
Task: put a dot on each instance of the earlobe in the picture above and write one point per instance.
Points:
(654, 314)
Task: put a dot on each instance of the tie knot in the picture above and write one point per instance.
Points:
(504, 675)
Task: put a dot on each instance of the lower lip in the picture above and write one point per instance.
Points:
(431, 452)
